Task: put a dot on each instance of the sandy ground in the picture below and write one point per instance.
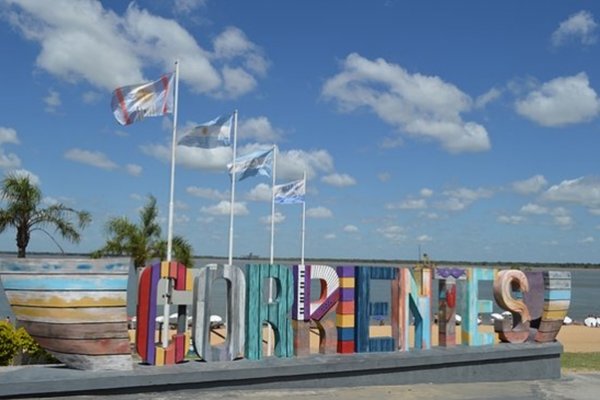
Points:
(574, 338)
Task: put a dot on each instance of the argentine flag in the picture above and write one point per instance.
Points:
(210, 134)
(259, 162)
(290, 193)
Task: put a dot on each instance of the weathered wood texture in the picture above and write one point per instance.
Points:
(366, 309)
(320, 312)
(74, 308)
(235, 310)
(515, 329)
(345, 310)
(447, 312)
(415, 298)
(276, 313)
(557, 297)
(153, 353)
(471, 306)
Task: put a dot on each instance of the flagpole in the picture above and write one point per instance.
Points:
(303, 220)
(232, 200)
(274, 173)
(167, 295)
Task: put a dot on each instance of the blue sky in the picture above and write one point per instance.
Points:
(468, 128)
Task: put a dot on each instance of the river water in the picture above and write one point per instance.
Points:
(585, 292)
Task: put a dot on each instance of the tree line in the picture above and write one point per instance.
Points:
(142, 241)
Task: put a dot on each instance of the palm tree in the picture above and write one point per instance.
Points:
(142, 241)
(22, 199)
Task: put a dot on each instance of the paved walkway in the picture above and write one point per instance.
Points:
(576, 386)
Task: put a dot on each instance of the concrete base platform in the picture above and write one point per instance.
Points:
(503, 362)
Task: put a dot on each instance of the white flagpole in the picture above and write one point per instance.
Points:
(303, 220)
(167, 295)
(271, 280)
(274, 173)
(232, 200)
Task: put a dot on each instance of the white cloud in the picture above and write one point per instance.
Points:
(260, 192)
(91, 97)
(293, 163)
(94, 158)
(561, 101)
(487, 97)
(258, 128)
(429, 215)
(52, 100)
(535, 209)
(11, 160)
(205, 193)
(424, 238)
(409, 204)
(329, 236)
(511, 219)
(339, 180)
(350, 228)
(394, 233)
(84, 41)
(319, 212)
(223, 208)
(8, 135)
(391, 142)
(530, 186)
(461, 198)
(578, 27)
(279, 218)
(584, 191)
(562, 217)
(589, 239)
(191, 157)
(384, 176)
(419, 105)
(426, 192)
(187, 6)
(133, 169)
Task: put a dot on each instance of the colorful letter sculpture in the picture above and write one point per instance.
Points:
(307, 313)
(415, 297)
(557, 297)
(233, 348)
(75, 309)
(471, 306)
(447, 304)
(515, 329)
(365, 310)
(145, 339)
(345, 311)
(276, 313)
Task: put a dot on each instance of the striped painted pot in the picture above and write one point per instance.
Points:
(75, 308)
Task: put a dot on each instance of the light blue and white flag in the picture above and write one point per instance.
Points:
(259, 162)
(151, 99)
(290, 193)
(210, 134)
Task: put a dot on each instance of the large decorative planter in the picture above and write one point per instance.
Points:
(75, 308)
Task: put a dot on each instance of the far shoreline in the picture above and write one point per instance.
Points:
(254, 259)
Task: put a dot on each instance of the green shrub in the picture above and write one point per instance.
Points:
(18, 343)
(8, 343)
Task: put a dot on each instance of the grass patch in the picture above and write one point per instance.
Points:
(580, 361)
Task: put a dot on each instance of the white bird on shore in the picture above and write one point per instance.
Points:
(590, 322)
